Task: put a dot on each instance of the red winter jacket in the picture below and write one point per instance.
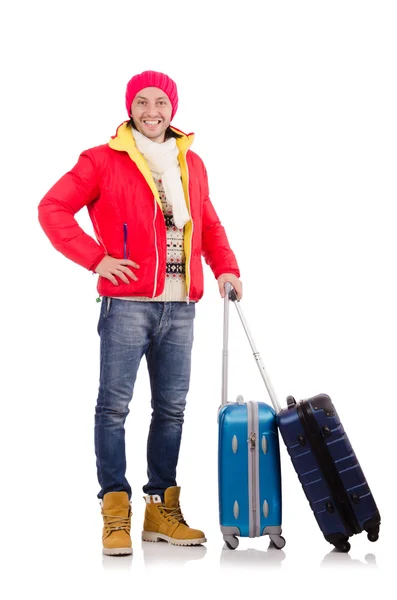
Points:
(115, 183)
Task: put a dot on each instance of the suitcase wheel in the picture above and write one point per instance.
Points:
(231, 541)
(277, 541)
(343, 546)
(373, 536)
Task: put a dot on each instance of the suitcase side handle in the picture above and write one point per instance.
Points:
(232, 296)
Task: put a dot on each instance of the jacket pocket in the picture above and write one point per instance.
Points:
(126, 253)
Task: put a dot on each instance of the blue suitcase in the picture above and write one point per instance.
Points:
(328, 470)
(248, 462)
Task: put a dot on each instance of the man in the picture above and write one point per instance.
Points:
(147, 196)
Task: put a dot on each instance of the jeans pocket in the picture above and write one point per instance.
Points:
(105, 308)
(192, 309)
(108, 306)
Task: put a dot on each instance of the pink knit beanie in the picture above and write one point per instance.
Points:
(151, 79)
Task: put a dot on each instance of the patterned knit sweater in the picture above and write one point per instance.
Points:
(175, 287)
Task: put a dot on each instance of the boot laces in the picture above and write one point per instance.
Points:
(175, 513)
(116, 523)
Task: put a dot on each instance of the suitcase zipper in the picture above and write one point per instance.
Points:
(253, 472)
(328, 468)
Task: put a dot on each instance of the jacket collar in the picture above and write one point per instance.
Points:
(123, 140)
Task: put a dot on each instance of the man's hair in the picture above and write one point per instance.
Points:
(169, 133)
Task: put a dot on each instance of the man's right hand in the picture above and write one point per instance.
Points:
(110, 268)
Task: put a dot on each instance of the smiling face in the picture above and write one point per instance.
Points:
(151, 111)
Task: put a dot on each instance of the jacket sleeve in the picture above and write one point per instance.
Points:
(71, 193)
(215, 246)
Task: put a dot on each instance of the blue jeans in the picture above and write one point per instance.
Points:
(163, 332)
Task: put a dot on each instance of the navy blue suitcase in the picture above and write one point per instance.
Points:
(248, 464)
(328, 470)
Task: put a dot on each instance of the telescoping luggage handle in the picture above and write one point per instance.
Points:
(231, 295)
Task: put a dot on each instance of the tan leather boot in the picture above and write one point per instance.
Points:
(164, 521)
(116, 512)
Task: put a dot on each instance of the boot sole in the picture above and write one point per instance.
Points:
(150, 536)
(116, 551)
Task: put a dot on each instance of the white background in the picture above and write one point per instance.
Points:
(294, 108)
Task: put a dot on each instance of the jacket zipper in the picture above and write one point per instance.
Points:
(191, 235)
(252, 409)
(155, 243)
(328, 468)
(126, 251)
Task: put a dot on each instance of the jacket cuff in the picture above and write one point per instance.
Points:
(96, 262)
(235, 272)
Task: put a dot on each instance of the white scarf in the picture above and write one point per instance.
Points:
(162, 160)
